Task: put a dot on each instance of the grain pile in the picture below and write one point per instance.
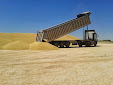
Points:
(24, 37)
(6, 38)
(17, 45)
(42, 46)
(21, 41)
(67, 37)
(4, 42)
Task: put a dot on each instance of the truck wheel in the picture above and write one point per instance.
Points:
(87, 44)
(56, 44)
(61, 44)
(95, 45)
(67, 44)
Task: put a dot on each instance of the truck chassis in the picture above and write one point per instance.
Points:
(87, 43)
(67, 43)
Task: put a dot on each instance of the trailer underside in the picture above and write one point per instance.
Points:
(67, 43)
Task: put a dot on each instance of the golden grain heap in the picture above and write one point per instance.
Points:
(67, 37)
(24, 37)
(42, 46)
(4, 42)
(17, 45)
(27, 41)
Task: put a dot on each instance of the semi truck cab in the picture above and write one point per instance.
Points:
(90, 35)
(90, 38)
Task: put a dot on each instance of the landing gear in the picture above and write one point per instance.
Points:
(79, 43)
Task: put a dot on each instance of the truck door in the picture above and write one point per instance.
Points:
(95, 36)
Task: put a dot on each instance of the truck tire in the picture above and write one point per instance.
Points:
(87, 44)
(95, 44)
(56, 44)
(67, 44)
(61, 44)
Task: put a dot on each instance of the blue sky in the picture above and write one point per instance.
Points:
(30, 16)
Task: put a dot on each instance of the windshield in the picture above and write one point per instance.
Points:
(89, 35)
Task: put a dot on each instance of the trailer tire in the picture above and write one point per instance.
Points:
(67, 44)
(61, 44)
(56, 44)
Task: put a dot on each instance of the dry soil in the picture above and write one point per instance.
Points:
(66, 66)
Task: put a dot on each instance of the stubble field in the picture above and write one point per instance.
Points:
(66, 66)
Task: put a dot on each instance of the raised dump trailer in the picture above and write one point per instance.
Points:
(49, 35)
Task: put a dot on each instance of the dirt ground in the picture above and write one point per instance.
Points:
(67, 66)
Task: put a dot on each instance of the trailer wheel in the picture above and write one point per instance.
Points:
(67, 44)
(55, 44)
(61, 44)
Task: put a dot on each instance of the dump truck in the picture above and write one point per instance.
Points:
(51, 34)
